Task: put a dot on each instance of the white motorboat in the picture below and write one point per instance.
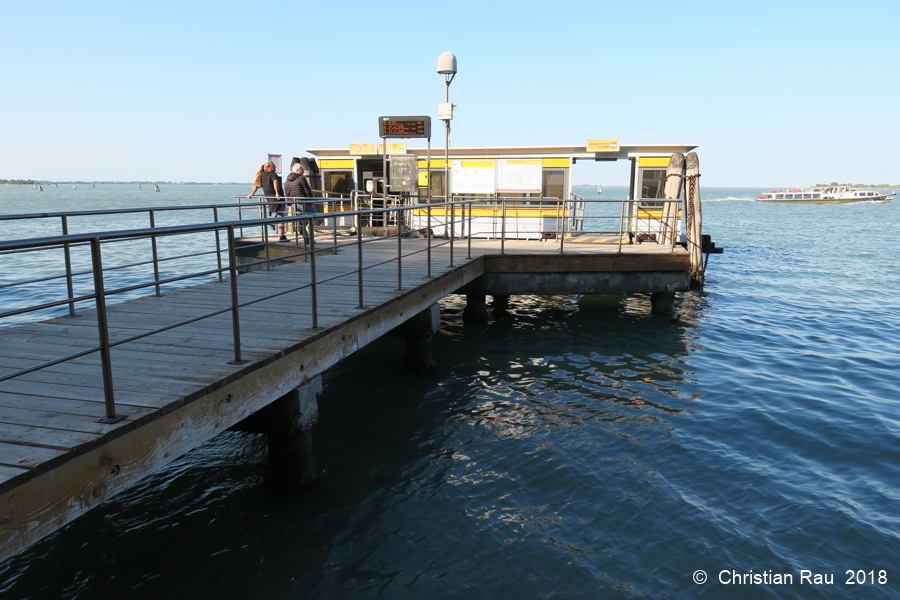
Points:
(826, 195)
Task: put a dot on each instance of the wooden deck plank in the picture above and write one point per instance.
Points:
(30, 457)
(66, 405)
(39, 419)
(13, 475)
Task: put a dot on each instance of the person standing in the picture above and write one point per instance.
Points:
(272, 187)
(298, 187)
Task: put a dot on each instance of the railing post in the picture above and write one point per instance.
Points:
(503, 227)
(562, 239)
(266, 243)
(398, 212)
(155, 258)
(621, 221)
(312, 280)
(452, 229)
(235, 315)
(334, 222)
(672, 229)
(68, 258)
(218, 243)
(103, 334)
(470, 230)
(428, 235)
(359, 268)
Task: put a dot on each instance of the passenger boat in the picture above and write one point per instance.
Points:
(826, 195)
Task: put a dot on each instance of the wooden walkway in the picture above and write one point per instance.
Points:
(177, 388)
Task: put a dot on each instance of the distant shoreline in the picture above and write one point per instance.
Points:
(42, 182)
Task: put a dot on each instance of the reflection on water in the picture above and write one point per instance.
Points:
(443, 473)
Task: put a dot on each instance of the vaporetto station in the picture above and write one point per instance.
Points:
(533, 182)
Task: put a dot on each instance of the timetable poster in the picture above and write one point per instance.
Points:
(473, 177)
(519, 176)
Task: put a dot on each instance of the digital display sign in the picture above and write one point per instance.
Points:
(404, 127)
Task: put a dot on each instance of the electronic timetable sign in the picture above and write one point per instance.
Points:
(404, 127)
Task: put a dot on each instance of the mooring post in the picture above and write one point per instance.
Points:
(662, 303)
(476, 309)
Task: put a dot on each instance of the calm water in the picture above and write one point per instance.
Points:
(573, 448)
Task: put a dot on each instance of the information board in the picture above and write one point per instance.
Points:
(473, 177)
(519, 176)
(404, 127)
(603, 146)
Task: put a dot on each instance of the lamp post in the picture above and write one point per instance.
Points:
(446, 68)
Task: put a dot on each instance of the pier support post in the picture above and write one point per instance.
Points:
(662, 303)
(476, 309)
(288, 424)
(500, 302)
(418, 332)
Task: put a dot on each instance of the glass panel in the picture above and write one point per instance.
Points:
(436, 184)
(653, 183)
(338, 182)
(553, 184)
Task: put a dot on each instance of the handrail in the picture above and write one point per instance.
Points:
(96, 240)
(402, 214)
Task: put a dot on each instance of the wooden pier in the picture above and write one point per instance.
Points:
(178, 388)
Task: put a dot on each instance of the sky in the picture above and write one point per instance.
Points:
(776, 93)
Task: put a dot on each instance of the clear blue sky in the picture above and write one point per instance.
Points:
(775, 92)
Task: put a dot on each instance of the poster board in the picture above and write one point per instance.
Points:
(473, 177)
(276, 158)
(519, 176)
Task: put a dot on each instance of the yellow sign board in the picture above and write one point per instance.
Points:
(423, 179)
(603, 145)
(367, 148)
(654, 161)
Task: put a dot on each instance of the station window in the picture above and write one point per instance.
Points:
(436, 185)
(554, 183)
(653, 183)
(337, 182)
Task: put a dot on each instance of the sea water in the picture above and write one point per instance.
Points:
(572, 447)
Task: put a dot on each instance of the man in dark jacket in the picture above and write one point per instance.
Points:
(297, 187)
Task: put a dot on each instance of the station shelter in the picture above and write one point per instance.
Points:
(532, 184)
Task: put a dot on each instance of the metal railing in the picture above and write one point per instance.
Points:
(99, 295)
(411, 219)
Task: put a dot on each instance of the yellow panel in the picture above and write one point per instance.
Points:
(331, 163)
(423, 179)
(436, 163)
(654, 161)
(477, 164)
(556, 163)
(497, 211)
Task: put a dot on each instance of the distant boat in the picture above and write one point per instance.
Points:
(40, 189)
(826, 195)
(56, 184)
(139, 186)
(92, 186)
(156, 188)
(599, 190)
